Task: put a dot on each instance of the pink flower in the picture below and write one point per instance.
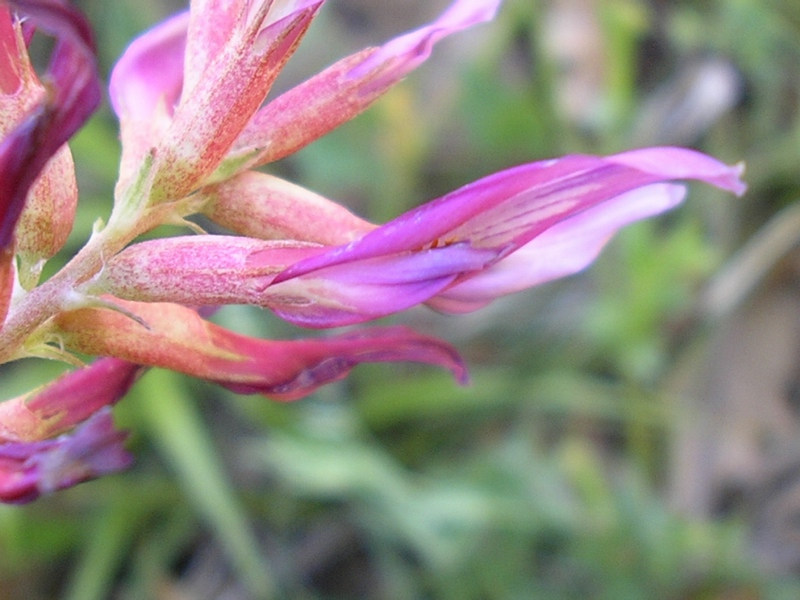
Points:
(177, 338)
(188, 92)
(67, 401)
(30, 469)
(506, 232)
(33, 462)
(35, 124)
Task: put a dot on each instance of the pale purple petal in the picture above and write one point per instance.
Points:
(364, 290)
(31, 469)
(150, 72)
(684, 163)
(508, 209)
(94, 449)
(566, 248)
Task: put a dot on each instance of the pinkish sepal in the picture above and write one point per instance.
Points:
(208, 270)
(199, 115)
(7, 277)
(215, 22)
(262, 206)
(199, 270)
(19, 87)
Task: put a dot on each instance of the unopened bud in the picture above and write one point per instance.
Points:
(46, 221)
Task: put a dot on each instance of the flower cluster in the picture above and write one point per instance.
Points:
(191, 97)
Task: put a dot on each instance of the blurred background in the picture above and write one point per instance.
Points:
(630, 432)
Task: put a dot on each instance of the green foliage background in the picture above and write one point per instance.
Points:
(554, 474)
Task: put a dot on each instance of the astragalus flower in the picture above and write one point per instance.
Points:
(93, 449)
(33, 462)
(509, 231)
(190, 97)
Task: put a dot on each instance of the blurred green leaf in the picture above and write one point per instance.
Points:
(177, 429)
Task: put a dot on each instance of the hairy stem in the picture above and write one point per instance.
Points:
(36, 307)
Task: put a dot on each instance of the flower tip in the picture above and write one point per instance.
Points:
(670, 162)
(94, 449)
(729, 178)
(461, 373)
(32, 469)
(404, 53)
(474, 11)
(738, 187)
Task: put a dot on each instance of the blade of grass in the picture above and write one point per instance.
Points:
(105, 551)
(175, 426)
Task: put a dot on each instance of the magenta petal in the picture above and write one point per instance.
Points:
(77, 92)
(522, 201)
(94, 449)
(506, 210)
(363, 290)
(297, 368)
(150, 71)
(573, 203)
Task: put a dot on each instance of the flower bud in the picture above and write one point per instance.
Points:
(48, 216)
(177, 338)
(70, 399)
(265, 207)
